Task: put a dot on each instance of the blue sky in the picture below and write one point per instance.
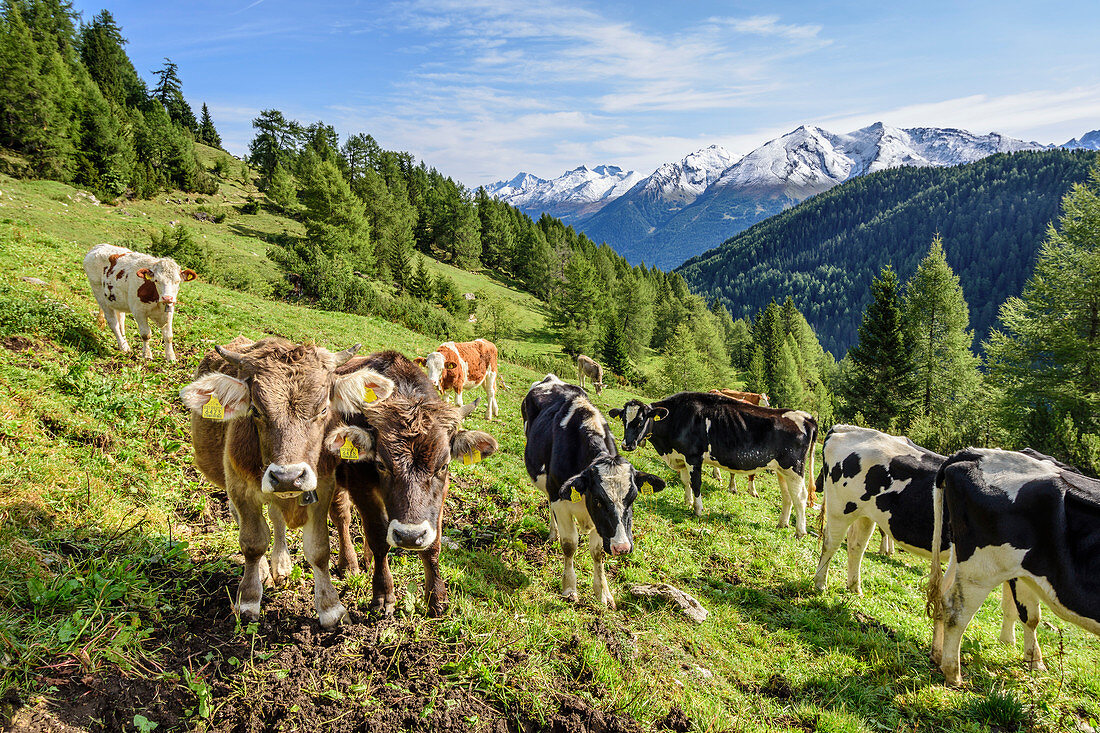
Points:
(484, 88)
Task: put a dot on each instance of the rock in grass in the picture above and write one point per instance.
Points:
(686, 603)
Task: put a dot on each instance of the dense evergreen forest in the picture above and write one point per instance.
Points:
(824, 253)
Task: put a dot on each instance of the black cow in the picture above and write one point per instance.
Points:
(571, 457)
(870, 478)
(690, 429)
(1012, 516)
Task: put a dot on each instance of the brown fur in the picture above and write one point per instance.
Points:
(148, 292)
(750, 397)
(472, 360)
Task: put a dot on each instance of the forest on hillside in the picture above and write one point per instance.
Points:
(824, 253)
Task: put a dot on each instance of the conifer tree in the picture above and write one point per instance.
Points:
(420, 284)
(208, 135)
(788, 391)
(615, 355)
(682, 366)
(937, 317)
(1046, 359)
(880, 384)
(757, 379)
(282, 191)
(169, 91)
(573, 308)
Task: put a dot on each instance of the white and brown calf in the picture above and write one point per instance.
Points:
(145, 286)
(591, 369)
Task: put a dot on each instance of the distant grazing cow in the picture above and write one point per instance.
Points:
(1012, 516)
(571, 457)
(130, 282)
(589, 368)
(691, 429)
(259, 416)
(458, 366)
(400, 475)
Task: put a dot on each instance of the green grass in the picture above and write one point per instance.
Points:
(102, 510)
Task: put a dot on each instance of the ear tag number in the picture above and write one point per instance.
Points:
(348, 450)
(656, 418)
(647, 488)
(473, 456)
(575, 496)
(213, 409)
(369, 396)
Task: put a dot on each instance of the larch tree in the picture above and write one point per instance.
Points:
(937, 319)
(1046, 359)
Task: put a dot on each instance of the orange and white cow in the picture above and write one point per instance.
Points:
(464, 365)
(131, 282)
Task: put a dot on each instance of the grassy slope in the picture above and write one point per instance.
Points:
(96, 477)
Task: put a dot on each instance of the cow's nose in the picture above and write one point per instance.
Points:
(287, 478)
(410, 537)
(629, 446)
(168, 299)
(621, 549)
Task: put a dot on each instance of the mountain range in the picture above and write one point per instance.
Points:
(687, 207)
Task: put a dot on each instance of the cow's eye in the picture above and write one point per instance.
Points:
(323, 412)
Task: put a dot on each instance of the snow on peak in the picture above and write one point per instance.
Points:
(1088, 141)
(581, 190)
(684, 180)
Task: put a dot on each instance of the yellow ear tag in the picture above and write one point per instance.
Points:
(348, 450)
(575, 496)
(647, 488)
(473, 456)
(656, 418)
(368, 395)
(213, 409)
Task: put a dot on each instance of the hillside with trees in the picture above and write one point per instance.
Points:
(824, 253)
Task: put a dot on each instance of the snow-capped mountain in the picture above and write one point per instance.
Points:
(1088, 141)
(686, 207)
(573, 195)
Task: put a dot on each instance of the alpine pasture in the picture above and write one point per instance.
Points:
(119, 560)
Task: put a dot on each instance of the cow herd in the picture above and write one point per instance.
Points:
(303, 434)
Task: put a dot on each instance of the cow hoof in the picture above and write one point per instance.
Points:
(1037, 665)
(248, 611)
(755, 494)
(332, 616)
(569, 596)
(781, 524)
(800, 533)
(610, 603)
(382, 607)
(437, 610)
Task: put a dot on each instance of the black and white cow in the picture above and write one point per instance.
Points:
(690, 429)
(571, 457)
(869, 478)
(1012, 516)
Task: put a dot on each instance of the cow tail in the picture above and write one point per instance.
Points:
(809, 478)
(934, 602)
(824, 496)
(500, 381)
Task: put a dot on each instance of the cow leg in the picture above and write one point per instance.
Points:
(697, 488)
(347, 562)
(1026, 607)
(946, 582)
(280, 555)
(685, 477)
(491, 391)
(567, 531)
(886, 546)
(836, 525)
(553, 524)
(383, 599)
(599, 577)
(716, 473)
(117, 322)
(752, 484)
(315, 543)
(733, 483)
(254, 537)
(859, 534)
(146, 333)
(166, 334)
(458, 397)
(961, 602)
(435, 589)
(793, 490)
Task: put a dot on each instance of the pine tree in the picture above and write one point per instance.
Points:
(420, 284)
(788, 390)
(103, 54)
(208, 135)
(334, 216)
(614, 352)
(757, 379)
(282, 191)
(937, 317)
(768, 334)
(1047, 357)
(169, 91)
(682, 366)
(25, 108)
(880, 384)
(573, 309)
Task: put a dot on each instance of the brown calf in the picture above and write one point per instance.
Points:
(259, 415)
(587, 367)
(463, 365)
(398, 475)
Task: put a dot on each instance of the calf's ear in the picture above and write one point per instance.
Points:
(420, 361)
(350, 443)
(615, 412)
(641, 478)
(217, 396)
(466, 442)
(450, 365)
(660, 413)
(574, 489)
(356, 390)
(188, 275)
(145, 273)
